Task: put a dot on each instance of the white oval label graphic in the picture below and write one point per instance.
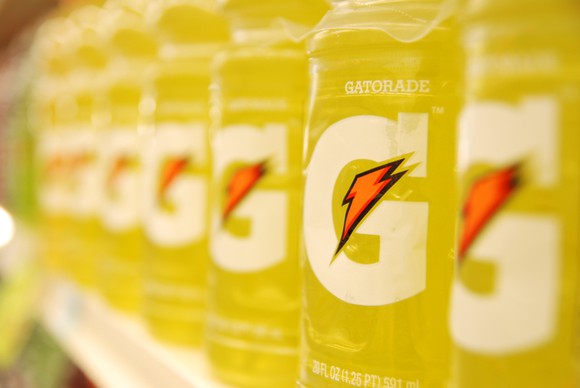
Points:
(121, 209)
(266, 210)
(175, 203)
(400, 272)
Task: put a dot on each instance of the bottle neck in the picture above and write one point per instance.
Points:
(261, 34)
(403, 21)
(186, 51)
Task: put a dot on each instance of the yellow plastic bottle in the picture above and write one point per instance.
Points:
(61, 140)
(515, 318)
(50, 60)
(379, 196)
(89, 61)
(260, 87)
(132, 51)
(176, 168)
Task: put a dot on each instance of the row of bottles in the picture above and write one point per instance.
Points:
(357, 193)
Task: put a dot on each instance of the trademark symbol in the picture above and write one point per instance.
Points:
(438, 110)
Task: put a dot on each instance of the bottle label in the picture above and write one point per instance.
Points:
(175, 190)
(365, 240)
(53, 167)
(119, 150)
(505, 297)
(84, 173)
(250, 228)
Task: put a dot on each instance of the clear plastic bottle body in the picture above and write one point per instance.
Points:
(515, 307)
(51, 55)
(259, 96)
(50, 172)
(379, 257)
(177, 169)
(63, 136)
(120, 268)
(85, 189)
(176, 176)
(132, 49)
(89, 59)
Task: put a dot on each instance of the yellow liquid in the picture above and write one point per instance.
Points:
(529, 80)
(121, 269)
(84, 232)
(52, 217)
(121, 265)
(87, 61)
(51, 235)
(63, 171)
(177, 171)
(51, 159)
(254, 277)
(369, 319)
(53, 175)
(85, 251)
(176, 269)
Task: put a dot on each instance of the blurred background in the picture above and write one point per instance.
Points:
(29, 356)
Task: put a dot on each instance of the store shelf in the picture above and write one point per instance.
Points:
(114, 349)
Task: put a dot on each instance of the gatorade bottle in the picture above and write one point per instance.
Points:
(61, 166)
(89, 60)
(260, 89)
(133, 49)
(515, 316)
(50, 61)
(176, 168)
(379, 196)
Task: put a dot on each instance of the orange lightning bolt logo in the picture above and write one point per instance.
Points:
(366, 190)
(80, 160)
(55, 165)
(170, 172)
(241, 182)
(120, 165)
(487, 195)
